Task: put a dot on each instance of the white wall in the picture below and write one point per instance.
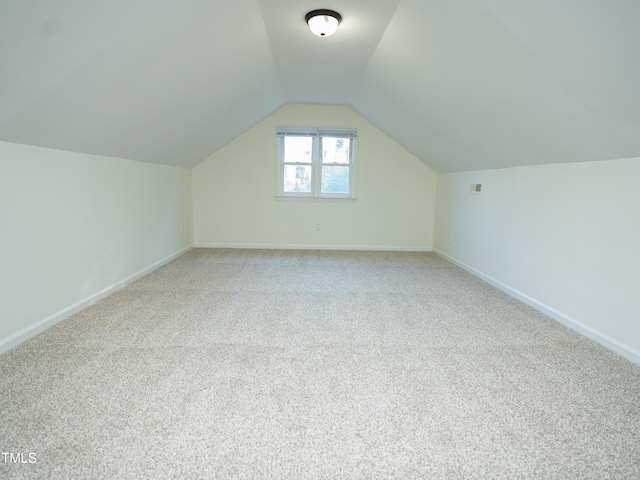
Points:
(565, 236)
(234, 204)
(74, 225)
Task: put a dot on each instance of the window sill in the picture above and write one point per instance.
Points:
(288, 198)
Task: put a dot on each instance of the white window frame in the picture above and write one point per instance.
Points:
(316, 161)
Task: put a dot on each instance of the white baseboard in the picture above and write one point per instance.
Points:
(271, 246)
(31, 331)
(606, 341)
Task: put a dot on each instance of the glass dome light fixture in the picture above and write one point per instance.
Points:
(323, 22)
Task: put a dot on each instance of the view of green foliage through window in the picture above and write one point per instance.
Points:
(335, 164)
(297, 150)
(335, 179)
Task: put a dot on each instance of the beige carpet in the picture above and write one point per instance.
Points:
(306, 364)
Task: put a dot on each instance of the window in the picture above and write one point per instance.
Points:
(316, 163)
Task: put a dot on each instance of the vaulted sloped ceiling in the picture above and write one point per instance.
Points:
(462, 84)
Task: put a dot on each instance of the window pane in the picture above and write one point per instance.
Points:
(297, 178)
(335, 150)
(298, 149)
(335, 179)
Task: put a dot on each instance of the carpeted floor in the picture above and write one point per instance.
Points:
(316, 364)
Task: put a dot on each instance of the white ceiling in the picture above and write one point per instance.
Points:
(462, 84)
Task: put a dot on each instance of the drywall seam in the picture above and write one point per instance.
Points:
(606, 341)
(271, 246)
(31, 331)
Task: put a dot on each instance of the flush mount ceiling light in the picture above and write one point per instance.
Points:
(323, 22)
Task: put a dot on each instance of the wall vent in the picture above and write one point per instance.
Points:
(476, 188)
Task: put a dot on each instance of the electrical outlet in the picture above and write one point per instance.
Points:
(317, 227)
